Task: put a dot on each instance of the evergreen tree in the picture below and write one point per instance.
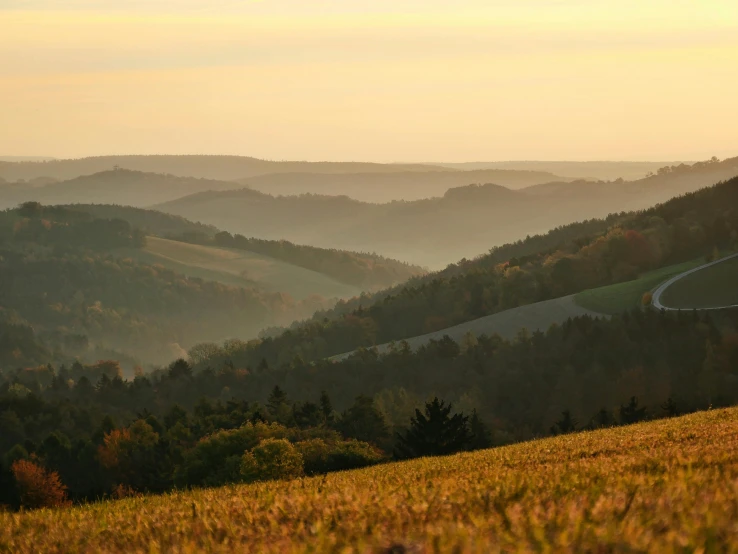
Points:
(602, 419)
(481, 435)
(567, 424)
(326, 408)
(279, 406)
(435, 432)
(631, 413)
(364, 422)
(670, 408)
(180, 368)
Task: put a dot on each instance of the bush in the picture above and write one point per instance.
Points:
(315, 455)
(354, 454)
(272, 459)
(216, 459)
(37, 487)
(646, 298)
(320, 457)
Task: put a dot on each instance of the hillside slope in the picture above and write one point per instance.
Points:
(239, 268)
(117, 186)
(605, 170)
(463, 223)
(566, 261)
(538, 316)
(224, 168)
(386, 187)
(606, 490)
(708, 287)
(71, 279)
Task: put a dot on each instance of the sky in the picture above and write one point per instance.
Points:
(371, 80)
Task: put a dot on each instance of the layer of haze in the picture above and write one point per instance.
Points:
(372, 80)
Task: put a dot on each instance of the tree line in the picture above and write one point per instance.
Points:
(531, 271)
(97, 434)
(66, 280)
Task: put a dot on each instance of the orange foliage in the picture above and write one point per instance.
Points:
(114, 443)
(38, 488)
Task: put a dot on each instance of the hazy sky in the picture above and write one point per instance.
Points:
(383, 80)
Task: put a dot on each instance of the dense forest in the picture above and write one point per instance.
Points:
(565, 261)
(62, 278)
(102, 435)
(362, 269)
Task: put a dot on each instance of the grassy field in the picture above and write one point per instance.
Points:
(663, 486)
(712, 287)
(615, 299)
(507, 324)
(239, 268)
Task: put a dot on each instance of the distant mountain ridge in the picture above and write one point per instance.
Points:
(115, 186)
(224, 168)
(463, 223)
(386, 187)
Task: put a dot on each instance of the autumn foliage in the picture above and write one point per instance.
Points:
(38, 487)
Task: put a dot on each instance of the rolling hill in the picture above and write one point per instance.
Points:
(573, 259)
(87, 279)
(596, 170)
(362, 271)
(238, 268)
(224, 168)
(463, 223)
(386, 187)
(606, 490)
(115, 186)
(711, 287)
(538, 316)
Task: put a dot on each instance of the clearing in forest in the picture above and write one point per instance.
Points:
(715, 286)
(239, 268)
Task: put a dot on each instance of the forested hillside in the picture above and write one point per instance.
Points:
(113, 186)
(364, 270)
(386, 187)
(565, 261)
(62, 275)
(234, 413)
(151, 222)
(464, 222)
(107, 436)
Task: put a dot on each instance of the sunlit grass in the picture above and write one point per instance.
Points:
(664, 486)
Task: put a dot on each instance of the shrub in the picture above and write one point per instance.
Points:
(216, 459)
(647, 298)
(320, 457)
(272, 459)
(37, 487)
(315, 455)
(354, 454)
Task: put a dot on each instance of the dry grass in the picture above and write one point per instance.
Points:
(665, 486)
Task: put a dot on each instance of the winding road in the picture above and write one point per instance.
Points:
(656, 299)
